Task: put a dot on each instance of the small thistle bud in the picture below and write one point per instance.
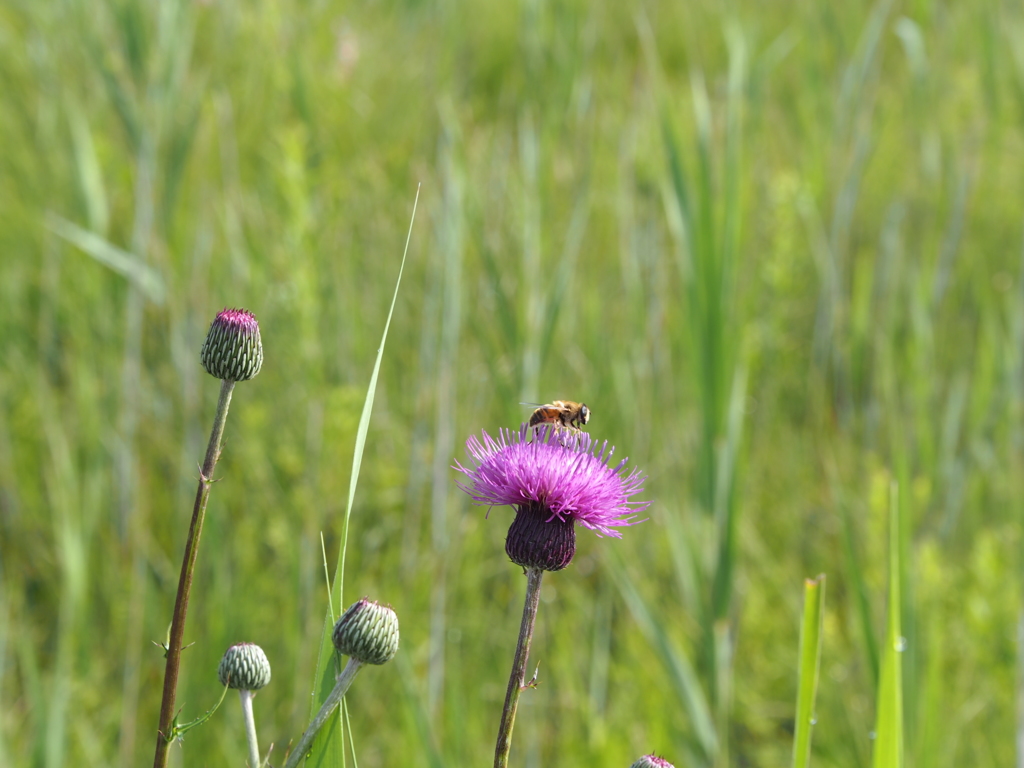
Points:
(652, 761)
(533, 542)
(233, 350)
(244, 667)
(368, 632)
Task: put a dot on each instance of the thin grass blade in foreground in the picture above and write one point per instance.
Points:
(329, 746)
(888, 751)
(810, 663)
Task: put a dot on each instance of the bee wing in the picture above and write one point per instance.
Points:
(555, 405)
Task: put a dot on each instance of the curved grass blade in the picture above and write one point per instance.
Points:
(329, 747)
(126, 264)
(682, 675)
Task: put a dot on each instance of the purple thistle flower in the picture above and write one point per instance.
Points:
(553, 484)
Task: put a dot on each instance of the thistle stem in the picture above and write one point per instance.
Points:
(250, 728)
(517, 681)
(165, 730)
(341, 686)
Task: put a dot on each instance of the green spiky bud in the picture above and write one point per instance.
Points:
(368, 632)
(652, 761)
(245, 667)
(233, 350)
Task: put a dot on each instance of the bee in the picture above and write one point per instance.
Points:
(563, 414)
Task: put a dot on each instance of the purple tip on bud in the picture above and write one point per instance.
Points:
(367, 632)
(652, 761)
(233, 350)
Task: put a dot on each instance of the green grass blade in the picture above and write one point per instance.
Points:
(328, 747)
(810, 664)
(88, 171)
(858, 585)
(416, 713)
(1020, 692)
(680, 669)
(566, 269)
(126, 264)
(888, 751)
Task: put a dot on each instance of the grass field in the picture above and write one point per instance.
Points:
(777, 248)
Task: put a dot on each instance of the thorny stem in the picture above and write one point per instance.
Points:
(517, 681)
(341, 685)
(165, 730)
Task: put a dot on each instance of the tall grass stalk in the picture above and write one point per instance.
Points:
(703, 737)
(328, 747)
(808, 669)
(67, 490)
(1020, 692)
(705, 196)
(450, 240)
(889, 738)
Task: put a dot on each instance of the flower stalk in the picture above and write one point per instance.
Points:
(367, 632)
(517, 679)
(250, 728)
(552, 484)
(341, 686)
(165, 730)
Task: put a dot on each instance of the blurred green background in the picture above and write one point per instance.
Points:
(778, 249)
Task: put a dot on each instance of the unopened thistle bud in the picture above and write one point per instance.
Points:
(245, 667)
(367, 632)
(652, 761)
(233, 350)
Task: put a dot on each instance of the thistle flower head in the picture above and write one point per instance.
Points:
(367, 632)
(553, 484)
(233, 350)
(652, 761)
(244, 666)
